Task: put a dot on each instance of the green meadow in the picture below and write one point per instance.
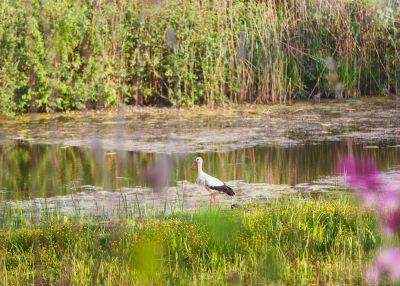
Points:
(287, 241)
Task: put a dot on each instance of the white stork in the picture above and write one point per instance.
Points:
(213, 185)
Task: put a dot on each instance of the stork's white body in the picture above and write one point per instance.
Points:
(208, 181)
(212, 184)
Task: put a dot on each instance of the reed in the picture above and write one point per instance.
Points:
(63, 55)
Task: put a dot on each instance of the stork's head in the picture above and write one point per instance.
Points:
(198, 162)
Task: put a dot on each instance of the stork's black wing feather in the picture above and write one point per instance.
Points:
(224, 188)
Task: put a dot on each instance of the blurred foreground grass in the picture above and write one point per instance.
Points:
(290, 241)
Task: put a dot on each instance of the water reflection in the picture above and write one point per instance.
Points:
(31, 170)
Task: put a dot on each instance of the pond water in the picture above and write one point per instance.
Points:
(31, 170)
(87, 159)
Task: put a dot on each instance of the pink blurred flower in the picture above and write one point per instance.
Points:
(386, 263)
(373, 190)
(360, 174)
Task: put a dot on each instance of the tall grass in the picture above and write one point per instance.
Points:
(62, 55)
(288, 241)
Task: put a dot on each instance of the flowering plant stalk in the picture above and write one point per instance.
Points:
(382, 195)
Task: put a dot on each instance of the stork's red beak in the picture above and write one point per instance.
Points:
(194, 165)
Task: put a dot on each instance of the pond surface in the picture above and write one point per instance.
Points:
(202, 130)
(39, 170)
(261, 151)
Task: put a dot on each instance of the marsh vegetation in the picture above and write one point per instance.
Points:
(290, 241)
(65, 55)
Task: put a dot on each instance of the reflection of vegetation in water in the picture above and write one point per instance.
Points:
(292, 165)
(46, 170)
(288, 241)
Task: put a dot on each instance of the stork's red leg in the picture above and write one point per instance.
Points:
(215, 200)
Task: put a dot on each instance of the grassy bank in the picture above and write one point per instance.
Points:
(289, 241)
(63, 55)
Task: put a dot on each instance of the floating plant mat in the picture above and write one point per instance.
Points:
(139, 201)
(203, 130)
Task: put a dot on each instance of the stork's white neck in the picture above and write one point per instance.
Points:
(200, 168)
